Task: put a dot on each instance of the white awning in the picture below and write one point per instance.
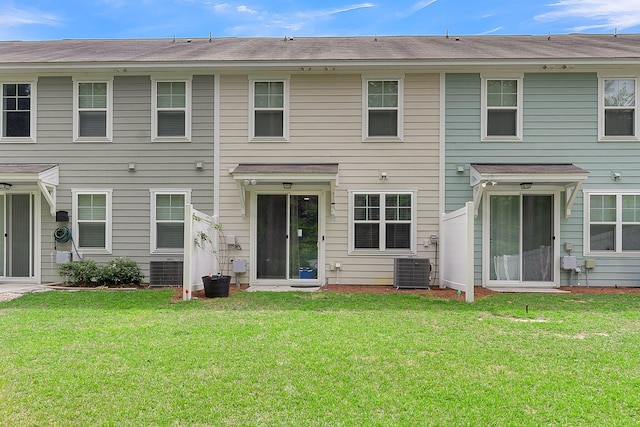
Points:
(566, 176)
(249, 175)
(45, 176)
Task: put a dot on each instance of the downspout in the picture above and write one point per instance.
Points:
(216, 145)
(442, 163)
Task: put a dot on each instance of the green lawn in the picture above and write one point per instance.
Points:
(310, 359)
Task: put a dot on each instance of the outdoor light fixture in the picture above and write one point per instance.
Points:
(526, 185)
(287, 185)
(490, 183)
(5, 185)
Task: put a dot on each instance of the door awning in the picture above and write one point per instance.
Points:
(45, 176)
(565, 176)
(249, 175)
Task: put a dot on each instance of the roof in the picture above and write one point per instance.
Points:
(25, 168)
(392, 48)
(528, 168)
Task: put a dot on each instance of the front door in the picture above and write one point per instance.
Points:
(521, 239)
(287, 243)
(16, 235)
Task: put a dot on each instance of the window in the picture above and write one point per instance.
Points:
(269, 107)
(383, 222)
(92, 220)
(167, 211)
(618, 109)
(171, 118)
(383, 109)
(502, 109)
(613, 222)
(92, 106)
(18, 112)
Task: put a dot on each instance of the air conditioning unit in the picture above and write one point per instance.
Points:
(411, 273)
(165, 273)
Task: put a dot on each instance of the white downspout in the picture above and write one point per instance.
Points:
(216, 145)
(442, 167)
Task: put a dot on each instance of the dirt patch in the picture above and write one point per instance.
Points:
(449, 294)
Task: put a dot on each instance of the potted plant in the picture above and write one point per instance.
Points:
(215, 285)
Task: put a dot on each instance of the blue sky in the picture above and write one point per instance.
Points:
(49, 19)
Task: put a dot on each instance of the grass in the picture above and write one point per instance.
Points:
(320, 359)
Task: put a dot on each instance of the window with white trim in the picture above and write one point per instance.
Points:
(383, 108)
(382, 221)
(167, 220)
(502, 109)
(92, 220)
(18, 112)
(171, 118)
(618, 112)
(269, 109)
(93, 102)
(613, 222)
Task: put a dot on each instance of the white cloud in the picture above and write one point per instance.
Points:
(14, 17)
(495, 30)
(598, 14)
(245, 9)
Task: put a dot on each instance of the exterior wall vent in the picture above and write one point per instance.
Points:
(411, 273)
(165, 273)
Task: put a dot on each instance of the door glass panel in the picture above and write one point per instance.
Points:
(303, 246)
(537, 238)
(504, 241)
(2, 233)
(271, 236)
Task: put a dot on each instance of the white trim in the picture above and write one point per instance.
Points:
(286, 108)
(399, 137)
(519, 78)
(601, 109)
(187, 109)
(153, 192)
(382, 250)
(76, 111)
(33, 96)
(75, 192)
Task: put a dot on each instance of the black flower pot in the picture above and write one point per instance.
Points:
(216, 286)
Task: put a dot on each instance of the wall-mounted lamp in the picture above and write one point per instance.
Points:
(5, 186)
(131, 166)
(383, 176)
(616, 176)
(490, 183)
(526, 185)
(287, 185)
(250, 182)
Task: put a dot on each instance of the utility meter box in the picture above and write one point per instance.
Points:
(239, 265)
(63, 257)
(568, 263)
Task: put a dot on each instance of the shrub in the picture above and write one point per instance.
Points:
(114, 273)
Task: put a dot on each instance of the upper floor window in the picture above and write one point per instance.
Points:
(383, 222)
(613, 223)
(618, 109)
(93, 107)
(167, 220)
(171, 118)
(502, 109)
(92, 220)
(18, 112)
(269, 101)
(383, 109)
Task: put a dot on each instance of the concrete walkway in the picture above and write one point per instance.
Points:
(12, 290)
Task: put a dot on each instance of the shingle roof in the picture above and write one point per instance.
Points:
(527, 168)
(394, 48)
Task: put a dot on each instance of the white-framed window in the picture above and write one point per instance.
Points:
(18, 117)
(92, 223)
(269, 109)
(501, 109)
(93, 110)
(612, 222)
(171, 110)
(618, 115)
(383, 109)
(382, 222)
(167, 220)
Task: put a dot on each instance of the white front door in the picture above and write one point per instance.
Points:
(287, 232)
(17, 245)
(521, 245)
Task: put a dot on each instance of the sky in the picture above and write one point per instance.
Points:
(87, 19)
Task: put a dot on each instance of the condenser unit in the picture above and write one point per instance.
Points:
(165, 273)
(411, 273)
